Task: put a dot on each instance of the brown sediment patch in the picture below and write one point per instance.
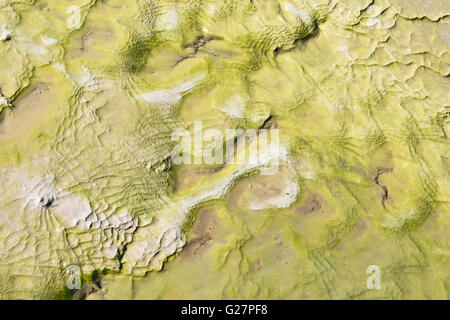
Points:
(88, 289)
(30, 106)
(201, 236)
(258, 265)
(312, 203)
(264, 189)
(263, 192)
(87, 42)
(34, 91)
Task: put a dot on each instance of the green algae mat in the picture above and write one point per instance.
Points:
(224, 149)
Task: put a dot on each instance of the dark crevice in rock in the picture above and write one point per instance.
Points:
(47, 203)
(385, 195)
(201, 41)
(269, 123)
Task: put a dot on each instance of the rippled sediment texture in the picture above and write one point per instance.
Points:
(359, 91)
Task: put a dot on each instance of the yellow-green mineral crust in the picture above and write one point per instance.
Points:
(91, 92)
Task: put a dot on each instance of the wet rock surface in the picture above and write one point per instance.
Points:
(92, 91)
